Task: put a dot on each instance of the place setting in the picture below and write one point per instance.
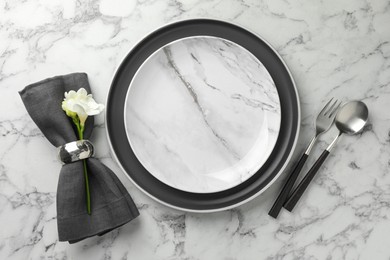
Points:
(206, 117)
(201, 115)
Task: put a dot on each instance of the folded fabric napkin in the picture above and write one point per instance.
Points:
(111, 204)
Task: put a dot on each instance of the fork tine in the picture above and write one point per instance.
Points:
(335, 110)
(330, 109)
(325, 107)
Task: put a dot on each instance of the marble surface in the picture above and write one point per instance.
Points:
(202, 114)
(333, 48)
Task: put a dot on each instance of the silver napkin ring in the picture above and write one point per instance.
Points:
(75, 151)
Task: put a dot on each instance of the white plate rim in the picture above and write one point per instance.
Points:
(150, 57)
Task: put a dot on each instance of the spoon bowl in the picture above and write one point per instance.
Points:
(352, 117)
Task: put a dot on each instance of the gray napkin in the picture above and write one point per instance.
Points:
(111, 204)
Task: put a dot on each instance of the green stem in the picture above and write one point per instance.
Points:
(87, 188)
(80, 130)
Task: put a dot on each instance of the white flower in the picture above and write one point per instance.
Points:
(82, 104)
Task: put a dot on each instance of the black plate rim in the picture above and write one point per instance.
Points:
(284, 164)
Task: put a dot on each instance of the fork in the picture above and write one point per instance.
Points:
(323, 123)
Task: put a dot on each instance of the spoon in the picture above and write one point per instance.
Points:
(350, 120)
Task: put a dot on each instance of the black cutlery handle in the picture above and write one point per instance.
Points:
(298, 192)
(283, 195)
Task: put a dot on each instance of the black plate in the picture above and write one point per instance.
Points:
(207, 201)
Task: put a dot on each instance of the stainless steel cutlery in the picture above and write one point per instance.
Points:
(350, 119)
(323, 122)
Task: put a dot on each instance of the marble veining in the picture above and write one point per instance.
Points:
(202, 114)
(333, 49)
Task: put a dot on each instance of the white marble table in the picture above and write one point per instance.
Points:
(334, 48)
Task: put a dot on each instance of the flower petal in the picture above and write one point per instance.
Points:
(82, 92)
(70, 94)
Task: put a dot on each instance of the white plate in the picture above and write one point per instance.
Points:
(202, 114)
